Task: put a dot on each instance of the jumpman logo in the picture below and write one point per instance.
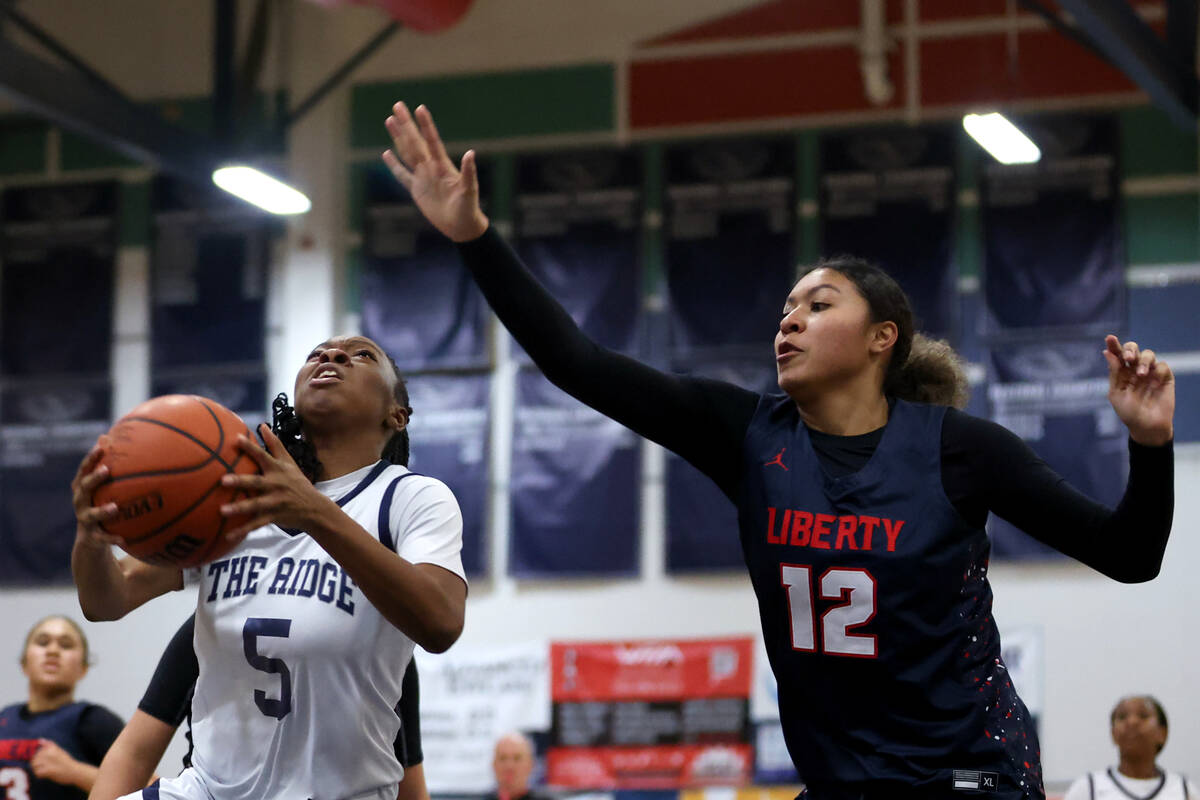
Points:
(777, 461)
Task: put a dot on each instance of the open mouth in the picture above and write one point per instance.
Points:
(786, 351)
(325, 376)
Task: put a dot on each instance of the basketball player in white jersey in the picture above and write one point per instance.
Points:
(303, 631)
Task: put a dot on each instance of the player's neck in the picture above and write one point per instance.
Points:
(845, 411)
(47, 699)
(1139, 768)
(341, 454)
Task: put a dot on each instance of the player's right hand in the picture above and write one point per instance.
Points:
(88, 517)
(448, 198)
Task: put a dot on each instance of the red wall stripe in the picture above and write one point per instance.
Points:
(750, 86)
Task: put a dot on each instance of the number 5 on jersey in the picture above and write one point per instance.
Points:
(855, 587)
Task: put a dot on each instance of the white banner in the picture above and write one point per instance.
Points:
(469, 698)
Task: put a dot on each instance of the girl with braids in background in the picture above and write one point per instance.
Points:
(861, 499)
(303, 631)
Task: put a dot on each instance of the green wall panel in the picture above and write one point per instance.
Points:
(1162, 230)
(474, 108)
(1151, 145)
(22, 146)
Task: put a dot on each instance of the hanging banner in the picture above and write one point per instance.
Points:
(448, 436)
(1053, 251)
(578, 216)
(888, 195)
(57, 247)
(702, 530)
(650, 714)
(418, 300)
(575, 483)
(469, 699)
(729, 242)
(1054, 395)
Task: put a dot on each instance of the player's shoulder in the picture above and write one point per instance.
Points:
(407, 484)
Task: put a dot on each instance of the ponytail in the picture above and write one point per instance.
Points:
(933, 373)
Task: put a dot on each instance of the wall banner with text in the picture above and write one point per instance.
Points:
(651, 714)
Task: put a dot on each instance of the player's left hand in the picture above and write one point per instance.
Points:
(1142, 391)
(281, 494)
(52, 763)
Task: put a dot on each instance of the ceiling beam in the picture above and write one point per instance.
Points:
(1137, 50)
(70, 100)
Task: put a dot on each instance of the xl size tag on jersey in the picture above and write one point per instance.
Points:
(969, 780)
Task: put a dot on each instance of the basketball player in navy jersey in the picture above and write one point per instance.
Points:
(51, 745)
(304, 630)
(861, 504)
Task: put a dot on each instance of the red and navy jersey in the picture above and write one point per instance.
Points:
(84, 730)
(877, 618)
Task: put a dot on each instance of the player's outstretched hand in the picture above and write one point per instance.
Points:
(89, 518)
(1142, 391)
(448, 197)
(281, 494)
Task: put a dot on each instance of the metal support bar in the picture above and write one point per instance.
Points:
(224, 47)
(341, 73)
(8, 9)
(65, 98)
(1069, 31)
(1136, 49)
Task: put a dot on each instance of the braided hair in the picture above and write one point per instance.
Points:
(288, 426)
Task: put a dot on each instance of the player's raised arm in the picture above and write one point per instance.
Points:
(668, 409)
(108, 589)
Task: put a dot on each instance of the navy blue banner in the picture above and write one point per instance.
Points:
(574, 485)
(888, 195)
(702, 531)
(58, 249)
(730, 242)
(448, 436)
(418, 300)
(1054, 395)
(208, 317)
(1053, 250)
(578, 217)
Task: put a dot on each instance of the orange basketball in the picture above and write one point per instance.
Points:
(166, 458)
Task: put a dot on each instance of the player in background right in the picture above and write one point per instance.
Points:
(1139, 730)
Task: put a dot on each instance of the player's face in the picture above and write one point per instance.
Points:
(512, 763)
(54, 656)
(1135, 728)
(825, 334)
(346, 379)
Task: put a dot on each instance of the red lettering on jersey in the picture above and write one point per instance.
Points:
(18, 749)
(821, 528)
(771, 538)
(869, 524)
(801, 528)
(892, 528)
(846, 528)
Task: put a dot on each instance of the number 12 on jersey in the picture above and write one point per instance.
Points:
(854, 587)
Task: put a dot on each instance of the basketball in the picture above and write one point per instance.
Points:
(166, 459)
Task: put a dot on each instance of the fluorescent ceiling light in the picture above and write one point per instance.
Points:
(261, 189)
(1001, 138)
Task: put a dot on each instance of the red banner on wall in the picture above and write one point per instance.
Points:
(650, 714)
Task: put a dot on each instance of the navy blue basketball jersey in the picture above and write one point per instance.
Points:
(19, 734)
(876, 613)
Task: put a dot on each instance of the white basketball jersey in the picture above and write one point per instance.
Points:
(1111, 785)
(299, 673)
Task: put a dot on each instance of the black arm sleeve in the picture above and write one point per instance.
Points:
(167, 696)
(986, 467)
(702, 420)
(408, 740)
(98, 729)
